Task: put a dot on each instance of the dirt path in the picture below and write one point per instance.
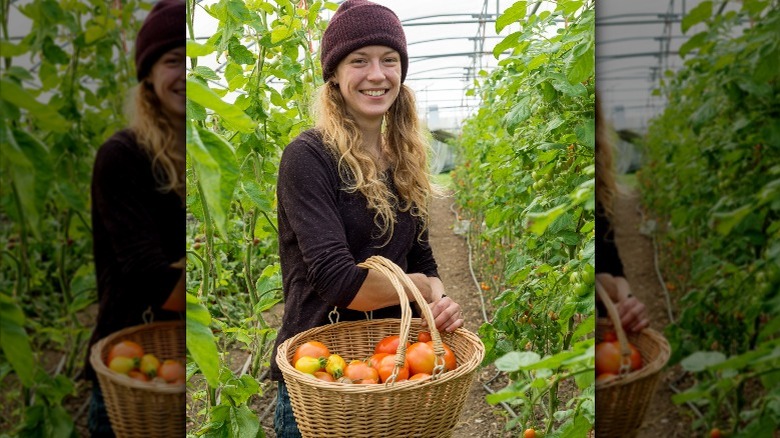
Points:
(663, 417)
(479, 419)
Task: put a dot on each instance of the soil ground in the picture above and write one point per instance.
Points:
(663, 417)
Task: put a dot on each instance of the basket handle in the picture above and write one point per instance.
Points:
(399, 279)
(612, 312)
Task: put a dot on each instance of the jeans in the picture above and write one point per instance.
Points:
(284, 421)
(98, 422)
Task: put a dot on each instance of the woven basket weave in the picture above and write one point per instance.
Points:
(424, 408)
(621, 401)
(141, 409)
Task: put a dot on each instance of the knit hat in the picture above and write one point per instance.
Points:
(162, 30)
(360, 23)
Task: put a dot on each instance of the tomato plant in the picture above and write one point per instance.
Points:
(711, 184)
(524, 187)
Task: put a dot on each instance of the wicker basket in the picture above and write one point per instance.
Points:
(140, 409)
(621, 401)
(423, 408)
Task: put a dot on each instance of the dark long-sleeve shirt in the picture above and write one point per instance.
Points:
(324, 232)
(138, 232)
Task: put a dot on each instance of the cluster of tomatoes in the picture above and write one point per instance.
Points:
(609, 357)
(128, 358)
(314, 358)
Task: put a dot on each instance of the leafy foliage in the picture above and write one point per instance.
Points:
(63, 85)
(712, 180)
(526, 187)
(241, 115)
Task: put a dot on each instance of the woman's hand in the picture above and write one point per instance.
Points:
(632, 312)
(447, 314)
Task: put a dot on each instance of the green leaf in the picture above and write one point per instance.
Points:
(53, 53)
(200, 340)
(724, 222)
(31, 173)
(45, 115)
(205, 72)
(701, 360)
(204, 96)
(586, 134)
(701, 12)
(11, 50)
(693, 42)
(514, 13)
(517, 360)
(215, 164)
(510, 41)
(585, 327)
(195, 50)
(539, 221)
(582, 67)
(239, 53)
(14, 340)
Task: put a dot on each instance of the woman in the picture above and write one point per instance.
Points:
(609, 268)
(355, 186)
(138, 185)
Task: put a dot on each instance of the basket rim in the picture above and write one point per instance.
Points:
(649, 369)
(289, 371)
(102, 370)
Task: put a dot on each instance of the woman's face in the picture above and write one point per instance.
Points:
(168, 80)
(369, 79)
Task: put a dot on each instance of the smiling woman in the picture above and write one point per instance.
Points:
(355, 186)
(138, 214)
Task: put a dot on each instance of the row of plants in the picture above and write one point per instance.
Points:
(62, 95)
(711, 182)
(266, 65)
(525, 186)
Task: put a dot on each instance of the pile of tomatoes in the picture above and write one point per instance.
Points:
(314, 358)
(609, 357)
(128, 358)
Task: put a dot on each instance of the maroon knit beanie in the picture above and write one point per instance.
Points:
(163, 30)
(360, 23)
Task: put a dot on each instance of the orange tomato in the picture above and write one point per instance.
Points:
(361, 372)
(529, 433)
(386, 366)
(609, 358)
(449, 357)
(421, 358)
(138, 375)
(322, 375)
(126, 349)
(604, 376)
(313, 349)
(420, 376)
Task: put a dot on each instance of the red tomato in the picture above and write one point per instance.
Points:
(388, 345)
(375, 359)
(313, 349)
(125, 349)
(172, 371)
(421, 358)
(604, 376)
(361, 372)
(449, 357)
(385, 369)
(609, 336)
(424, 337)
